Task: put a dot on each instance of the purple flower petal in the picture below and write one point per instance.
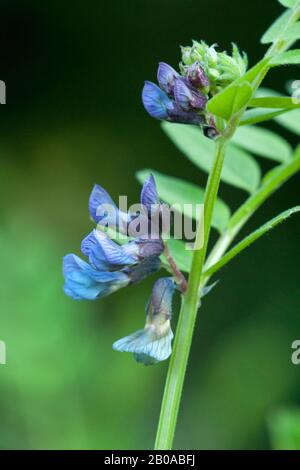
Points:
(183, 117)
(197, 76)
(99, 201)
(166, 77)
(187, 98)
(91, 248)
(116, 254)
(149, 196)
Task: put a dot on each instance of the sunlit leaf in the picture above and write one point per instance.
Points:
(288, 3)
(250, 239)
(263, 142)
(256, 115)
(240, 169)
(284, 168)
(278, 28)
(292, 33)
(227, 104)
(290, 121)
(263, 92)
(236, 96)
(186, 195)
(286, 58)
(281, 102)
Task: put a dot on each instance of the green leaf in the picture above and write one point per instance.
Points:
(278, 28)
(181, 255)
(271, 174)
(284, 426)
(176, 191)
(227, 104)
(239, 169)
(237, 95)
(290, 121)
(281, 102)
(263, 92)
(286, 58)
(292, 33)
(256, 115)
(250, 239)
(263, 142)
(288, 3)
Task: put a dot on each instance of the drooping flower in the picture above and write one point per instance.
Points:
(82, 281)
(153, 343)
(176, 99)
(112, 266)
(104, 211)
(160, 106)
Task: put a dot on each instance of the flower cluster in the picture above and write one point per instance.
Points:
(220, 67)
(182, 97)
(112, 266)
(176, 99)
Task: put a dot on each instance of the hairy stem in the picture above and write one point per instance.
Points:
(187, 317)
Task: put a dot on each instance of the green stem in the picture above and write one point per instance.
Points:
(187, 317)
(190, 303)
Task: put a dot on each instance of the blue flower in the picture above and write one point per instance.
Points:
(158, 104)
(149, 195)
(104, 211)
(153, 343)
(166, 77)
(82, 281)
(176, 99)
(112, 266)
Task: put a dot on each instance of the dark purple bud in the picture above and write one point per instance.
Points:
(183, 117)
(166, 77)
(150, 247)
(197, 76)
(187, 97)
(210, 132)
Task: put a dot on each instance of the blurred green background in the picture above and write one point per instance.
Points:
(74, 74)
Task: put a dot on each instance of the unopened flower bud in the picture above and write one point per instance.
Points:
(166, 77)
(197, 76)
(188, 98)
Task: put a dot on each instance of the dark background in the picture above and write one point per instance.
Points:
(74, 73)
